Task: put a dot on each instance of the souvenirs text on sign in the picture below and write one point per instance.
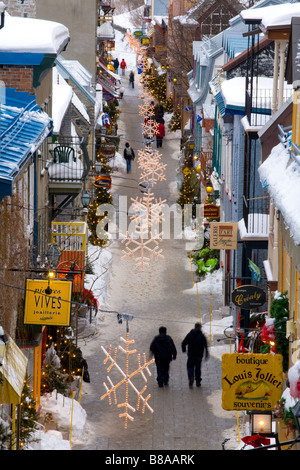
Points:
(251, 382)
(48, 309)
(223, 235)
(248, 297)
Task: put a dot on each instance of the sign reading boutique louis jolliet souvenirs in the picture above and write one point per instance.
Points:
(251, 382)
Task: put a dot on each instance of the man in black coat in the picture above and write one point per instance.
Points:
(197, 345)
(164, 351)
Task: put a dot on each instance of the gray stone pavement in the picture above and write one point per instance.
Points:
(184, 418)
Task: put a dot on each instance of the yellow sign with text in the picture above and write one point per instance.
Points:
(251, 382)
(42, 308)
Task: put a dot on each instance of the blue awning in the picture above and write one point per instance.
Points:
(22, 130)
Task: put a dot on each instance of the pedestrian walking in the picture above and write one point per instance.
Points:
(123, 66)
(121, 91)
(131, 78)
(116, 65)
(160, 133)
(197, 346)
(129, 155)
(164, 351)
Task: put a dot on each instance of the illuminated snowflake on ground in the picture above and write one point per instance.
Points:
(126, 378)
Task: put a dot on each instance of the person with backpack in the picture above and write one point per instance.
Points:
(129, 155)
(164, 351)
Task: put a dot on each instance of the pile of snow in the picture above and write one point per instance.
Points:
(51, 440)
(63, 410)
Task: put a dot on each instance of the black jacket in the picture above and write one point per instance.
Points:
(196, 343)
(163, 348)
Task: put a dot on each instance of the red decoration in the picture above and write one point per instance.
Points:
(256, 441)
(268, 335)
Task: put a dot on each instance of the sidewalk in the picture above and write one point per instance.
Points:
(184, 418)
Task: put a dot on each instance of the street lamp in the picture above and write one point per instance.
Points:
(53, 255)
(3, 343)
(85, 199)
(261, 423)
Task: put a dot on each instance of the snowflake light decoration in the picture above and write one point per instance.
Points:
(154, 171)
(147, 247)
(147, 211)
(126, 378)
(150, 127)
(146, 109)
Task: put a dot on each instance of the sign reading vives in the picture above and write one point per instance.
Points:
(251, 381)
(44, 309)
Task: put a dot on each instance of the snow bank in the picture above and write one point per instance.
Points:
(51, 440)
(60, 408)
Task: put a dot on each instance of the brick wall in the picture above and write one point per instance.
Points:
(26, 8)
(17, 76)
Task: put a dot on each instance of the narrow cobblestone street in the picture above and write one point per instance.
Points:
(184, 418)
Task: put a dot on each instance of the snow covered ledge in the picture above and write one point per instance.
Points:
(258, 227)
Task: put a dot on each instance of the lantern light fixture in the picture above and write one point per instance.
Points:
(85, 199)
(261, 423)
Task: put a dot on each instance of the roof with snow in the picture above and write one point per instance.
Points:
(22, 132)
(27, 40)
(280, 175)
(275, 15)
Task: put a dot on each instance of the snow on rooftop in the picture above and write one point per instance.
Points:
(233, 90)
(274, 15)
(281, 176)
(62, 96)
(32, 35)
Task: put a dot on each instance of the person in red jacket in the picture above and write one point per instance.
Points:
(160, 133)
(123, 66)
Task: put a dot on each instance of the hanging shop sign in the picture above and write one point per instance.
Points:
(102, 181)
(138, 33)
(107, 150)
(248, 297)
(223, 235)
(251, 382)
(211, 211)
(48, 309)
